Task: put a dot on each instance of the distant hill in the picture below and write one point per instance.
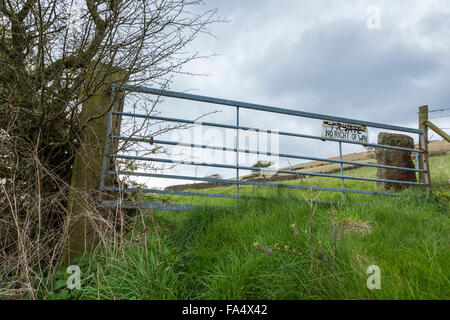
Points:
(435, 148)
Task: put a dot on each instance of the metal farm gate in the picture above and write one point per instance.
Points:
(112, 139)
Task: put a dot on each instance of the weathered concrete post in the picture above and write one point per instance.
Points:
(423, 145)
(423, 116)
(87, 166)
(393, 157)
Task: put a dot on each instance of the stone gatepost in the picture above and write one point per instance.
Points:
(397, 158)
(87, 166)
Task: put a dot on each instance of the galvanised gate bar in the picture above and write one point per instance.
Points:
(237, 181)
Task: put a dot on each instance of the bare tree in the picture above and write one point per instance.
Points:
(51, 52)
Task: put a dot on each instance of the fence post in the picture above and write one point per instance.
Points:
(396, 158)
(342, 171)
(438, 130)
(424, 177)
(237, 157)
(88, 161)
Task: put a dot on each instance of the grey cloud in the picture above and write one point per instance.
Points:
(436, 23)
(348, 67)
(319, 56)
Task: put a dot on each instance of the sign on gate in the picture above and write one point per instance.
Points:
(344, 131)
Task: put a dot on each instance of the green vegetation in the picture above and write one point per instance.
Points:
(262, 164)
(262, 250)
(214, 176)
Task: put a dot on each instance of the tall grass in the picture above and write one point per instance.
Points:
(224, 253)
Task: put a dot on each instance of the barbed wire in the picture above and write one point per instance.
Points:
(448, 115)
(438, 110)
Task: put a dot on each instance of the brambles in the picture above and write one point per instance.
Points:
(267, 250)
(315, 245)
(47, 73)
(349, 225)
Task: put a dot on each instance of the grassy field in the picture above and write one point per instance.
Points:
(263, 249)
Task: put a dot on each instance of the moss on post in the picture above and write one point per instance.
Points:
(396, 158)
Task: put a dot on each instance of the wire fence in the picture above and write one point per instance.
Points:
(438, 110)
(438, 116)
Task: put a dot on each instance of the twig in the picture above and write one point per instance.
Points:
(157, 236)
(300, 254)
(145, 236)
(104, 277)
(334, 234)
(98, 282)
(311, 226)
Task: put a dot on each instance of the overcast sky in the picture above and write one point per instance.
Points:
(332, 57)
